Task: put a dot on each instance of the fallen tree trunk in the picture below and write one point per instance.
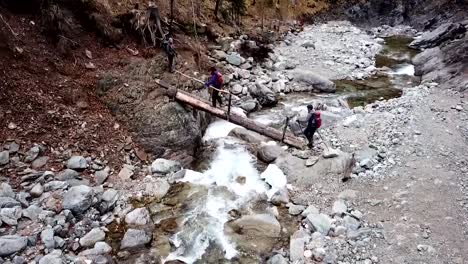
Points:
(245, 122)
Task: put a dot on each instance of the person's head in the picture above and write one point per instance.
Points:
(171, 40)
(212, 69)
(310, 108)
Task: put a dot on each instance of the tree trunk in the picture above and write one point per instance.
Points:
(245, 122)
(172, 16)
(217, 7)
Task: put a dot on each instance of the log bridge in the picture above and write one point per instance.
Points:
(200, 104)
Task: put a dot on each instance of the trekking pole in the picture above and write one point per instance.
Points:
(320, 135)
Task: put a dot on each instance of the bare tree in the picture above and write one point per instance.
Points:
(217, 7)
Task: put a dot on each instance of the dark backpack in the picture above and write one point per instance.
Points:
(168, 48)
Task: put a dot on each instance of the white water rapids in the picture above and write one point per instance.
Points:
(225, 193)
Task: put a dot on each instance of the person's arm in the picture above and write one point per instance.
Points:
(211, 81)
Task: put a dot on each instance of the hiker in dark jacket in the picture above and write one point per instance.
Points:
(313, 123)
(168, 45)
(216, 81)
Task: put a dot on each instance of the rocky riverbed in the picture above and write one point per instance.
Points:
(250, 200)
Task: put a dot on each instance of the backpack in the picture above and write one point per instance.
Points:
(318, 119)
(168, 48)
(315, 120)
(220, 79)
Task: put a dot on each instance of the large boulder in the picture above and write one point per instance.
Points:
(317, 82)
(443, 33)
(246, 135)
(12, 244)
(264, 95)
(162, 126)
(78, 199)
(260, 225)
(269, 153)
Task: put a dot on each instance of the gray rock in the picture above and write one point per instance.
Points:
(6, 190)
(234, 59)
(37, 190)
(59, 242)
(366, 163)
(47, 237)
(13, 147)
(249, 105)
(219, 55)
(67, 174)
(78, 199)
(351, 223)
(77, 163)
(139, 216)
(10, 216)
(246, 135)
(55, 185)
(95, 235)
(4, 158)
(280, 197)
(317, 82)
(12, 244)
(308, 44)
(126, 172)
(262, 225)
(157, 189)
(244, 74)
(55, 257)
(100, 248)
(296, 209)
(236, 89)
(277, 259)
(319, 222)
(297, 243)
(19, 260)
(339, 207)
(32, 154)
(39, 162)
(134, 238)
(279, 86)
(32, 212)
(263, 94)
(101, 176)
(164, 166)
(23, 197)
(348, 195)
(110, 197)
(444, 32)
(310, 210)
(8, 202)
(269, 153)
(330, 153)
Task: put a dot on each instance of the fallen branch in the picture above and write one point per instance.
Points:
(8, 25)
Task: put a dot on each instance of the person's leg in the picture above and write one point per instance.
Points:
(312, 133)
(220, 99)
(214, 98)
(171, 61)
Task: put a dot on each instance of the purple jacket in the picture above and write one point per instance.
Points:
(213, 81)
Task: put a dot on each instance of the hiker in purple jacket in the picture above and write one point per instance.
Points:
(216, 81)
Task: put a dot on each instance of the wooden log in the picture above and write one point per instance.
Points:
(245, 122)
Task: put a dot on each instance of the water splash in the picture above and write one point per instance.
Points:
(232, 181)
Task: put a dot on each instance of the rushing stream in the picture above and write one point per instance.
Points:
(233, 185)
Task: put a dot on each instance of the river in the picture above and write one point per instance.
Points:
(233, 184)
